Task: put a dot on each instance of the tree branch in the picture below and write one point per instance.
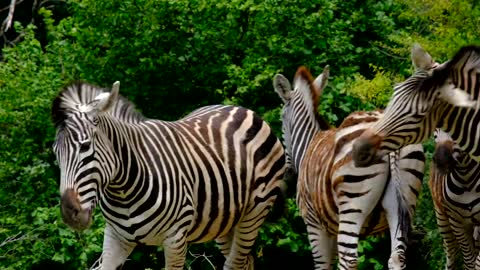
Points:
(8, 21)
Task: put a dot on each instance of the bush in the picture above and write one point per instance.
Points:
(174, 56)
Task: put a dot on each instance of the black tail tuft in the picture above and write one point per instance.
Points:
(415, 243)
(405, 215)
(279, 208)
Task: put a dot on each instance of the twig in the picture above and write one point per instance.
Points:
(386, 53)
(12, 239)
(205, 257)
(8, 21)
(5, 8)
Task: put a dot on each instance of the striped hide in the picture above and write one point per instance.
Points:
(339, 202)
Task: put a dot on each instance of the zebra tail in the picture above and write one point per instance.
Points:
(405, 215)
(280, 208)
(413, 238)
(290, 178)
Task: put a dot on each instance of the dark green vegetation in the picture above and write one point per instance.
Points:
(174, 56)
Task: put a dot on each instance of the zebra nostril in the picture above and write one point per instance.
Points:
(70, 205)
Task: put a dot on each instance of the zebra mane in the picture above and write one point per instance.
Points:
(304, 73)
(78, 94)
(415, 82)
(468, 57)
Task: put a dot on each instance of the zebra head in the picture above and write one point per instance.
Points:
(419, 103)
(447, 153)
(81, 150)
(300, 120)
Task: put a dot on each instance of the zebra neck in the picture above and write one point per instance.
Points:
(463, 127)
(466, 173)
(302, 134)
(127, 158)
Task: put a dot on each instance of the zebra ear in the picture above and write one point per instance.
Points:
(421, 59)
(282, 86)
(456, 96)
(322, 80)
(105, 101)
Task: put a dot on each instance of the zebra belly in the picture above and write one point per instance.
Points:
(208, 225)
(153, 225)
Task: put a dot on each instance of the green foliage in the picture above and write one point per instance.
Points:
(174, 56)
(286, 240)
(376, 91)
(440, 26)
(30, 224)
(336, 103)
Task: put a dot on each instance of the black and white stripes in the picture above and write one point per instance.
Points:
(455, 186)
(437, 96)
(339, 202)
(211, 175)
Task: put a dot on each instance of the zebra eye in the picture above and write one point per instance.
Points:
(84, 146)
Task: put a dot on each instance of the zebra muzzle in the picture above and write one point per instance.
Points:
(444, 157)
(364, 150)
(73, 214)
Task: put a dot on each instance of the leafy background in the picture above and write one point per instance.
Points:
(173, 56)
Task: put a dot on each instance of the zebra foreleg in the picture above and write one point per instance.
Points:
(323, 246)
(115, 251)
(464, 235)
(449, 241)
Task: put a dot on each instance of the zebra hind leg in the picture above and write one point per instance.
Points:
(245, 233)
(398, 218)
(239, 247)
(175, 249)
(323, 246)
(225, 243)
(347, 241)
(477, 262)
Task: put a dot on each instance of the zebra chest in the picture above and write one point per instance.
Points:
(465, 204)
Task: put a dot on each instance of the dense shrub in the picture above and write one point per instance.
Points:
(174, 56)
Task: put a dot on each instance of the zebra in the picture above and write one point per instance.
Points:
(338, 202)
(212, 175)
(454, 186)
(436, 95)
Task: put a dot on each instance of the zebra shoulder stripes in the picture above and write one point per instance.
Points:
(212, 175)
(338, 202)
(443, 96)
(455, 186)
